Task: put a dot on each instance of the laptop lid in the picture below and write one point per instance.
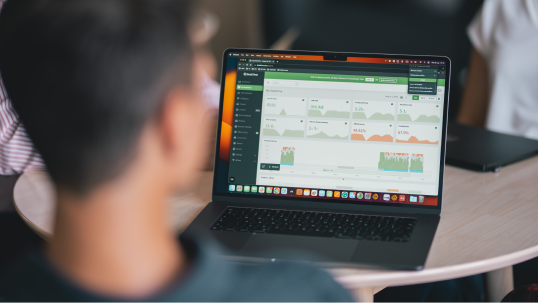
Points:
(339, 130)
(483, 150)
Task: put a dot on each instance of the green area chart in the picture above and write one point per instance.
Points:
(393, 162)
(421, 118)
(417, 163)
(328, 114)
(287, 156)
(401, 162)
(322, 135)
(376, 116)
(287, 133)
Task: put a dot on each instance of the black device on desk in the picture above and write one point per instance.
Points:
(339, 155)
(483, 150)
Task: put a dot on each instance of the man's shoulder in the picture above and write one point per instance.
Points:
(271, 281)
(291, 281)
(211, 278)
(31, 278)
(21, 273)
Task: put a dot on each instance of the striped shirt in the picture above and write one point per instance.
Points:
(17, 153)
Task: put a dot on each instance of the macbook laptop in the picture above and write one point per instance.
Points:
(483, 150)
(332, 158)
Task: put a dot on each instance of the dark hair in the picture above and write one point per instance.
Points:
(85, 76)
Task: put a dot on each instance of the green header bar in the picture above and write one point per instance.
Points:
(440, 82)
(336, 78)
(257, 88)
(422, 80)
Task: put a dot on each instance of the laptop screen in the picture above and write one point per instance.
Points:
(363, 130)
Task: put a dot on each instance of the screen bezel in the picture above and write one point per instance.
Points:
(330, 203)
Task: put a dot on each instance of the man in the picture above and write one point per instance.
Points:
(104, 89)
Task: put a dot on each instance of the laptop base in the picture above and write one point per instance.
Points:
(256, 247)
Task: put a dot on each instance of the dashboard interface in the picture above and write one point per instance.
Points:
(363, 130)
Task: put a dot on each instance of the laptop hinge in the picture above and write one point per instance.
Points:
(321, 206)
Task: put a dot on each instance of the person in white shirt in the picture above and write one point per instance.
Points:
(502, 90)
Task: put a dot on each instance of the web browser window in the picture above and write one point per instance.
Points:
(364, 131)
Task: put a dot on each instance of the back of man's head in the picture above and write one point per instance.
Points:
(85, 76)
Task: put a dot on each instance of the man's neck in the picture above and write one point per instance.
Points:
(117, 240)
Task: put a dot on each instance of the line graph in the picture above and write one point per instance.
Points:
(284, 106)
(374, 110)
(369, 131)
(283, 127)
(419, 112)
(327, 129)
(417, 134)
(329, 108)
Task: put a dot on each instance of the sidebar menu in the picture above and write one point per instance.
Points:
(246, 125)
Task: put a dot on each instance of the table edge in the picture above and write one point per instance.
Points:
(390, 278)
(401, 278)
(38, 230)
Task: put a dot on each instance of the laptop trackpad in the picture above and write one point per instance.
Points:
(299, 248)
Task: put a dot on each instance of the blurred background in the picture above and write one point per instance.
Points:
(418, 27)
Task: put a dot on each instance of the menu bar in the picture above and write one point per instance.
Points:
(349, 59)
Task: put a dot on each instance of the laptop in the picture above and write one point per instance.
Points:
(483, 150)
(330, 158)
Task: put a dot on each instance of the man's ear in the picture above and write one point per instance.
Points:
(183, 134)
(174, 118)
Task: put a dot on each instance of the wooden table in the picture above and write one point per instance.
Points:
(489, 222)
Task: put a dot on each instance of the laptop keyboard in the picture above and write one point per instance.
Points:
(319, 224)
